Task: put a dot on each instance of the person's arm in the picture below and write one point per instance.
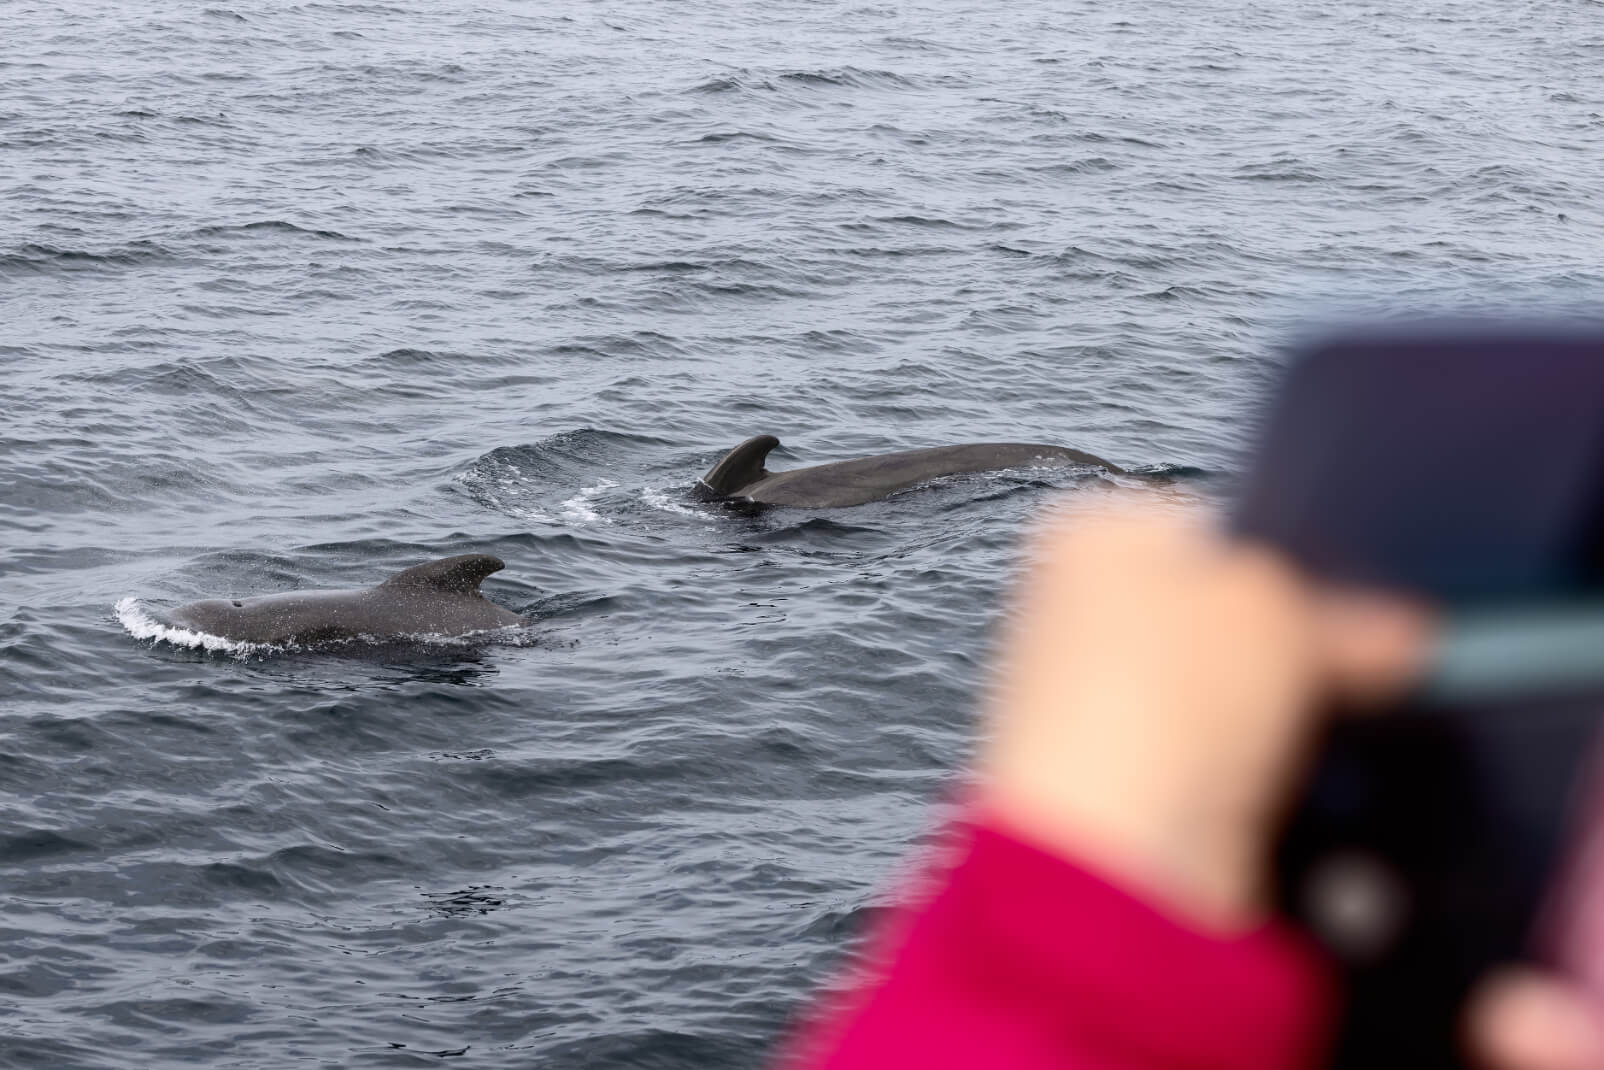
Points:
(1013, 956)
(1154, 690)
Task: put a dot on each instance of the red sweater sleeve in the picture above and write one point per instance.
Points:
(1014, 957)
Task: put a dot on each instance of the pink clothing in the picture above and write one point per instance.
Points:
(1015, 957)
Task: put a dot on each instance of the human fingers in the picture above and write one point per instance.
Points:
(1522, 1019)
(1371, 644)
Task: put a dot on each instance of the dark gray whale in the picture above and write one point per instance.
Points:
(827, 486)
(439, 598)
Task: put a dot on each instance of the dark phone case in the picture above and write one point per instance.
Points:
(1456, 819)
(1464, 463)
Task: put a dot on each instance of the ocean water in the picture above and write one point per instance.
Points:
(300, 294)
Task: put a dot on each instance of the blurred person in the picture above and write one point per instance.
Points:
(1104, 898)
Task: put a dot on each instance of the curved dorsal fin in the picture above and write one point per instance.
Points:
(458, 575)
(741, 466)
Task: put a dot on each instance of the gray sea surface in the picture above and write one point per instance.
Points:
(300, 294)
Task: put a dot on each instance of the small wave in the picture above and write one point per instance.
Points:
(1124, 139)
(832, 78)
(524, 481)
(500, 484)
(409, 358)
(1090, 165)
(346, 8)
(35, 257)
(38, 843)
(720, 136)
(1178, 473)
(268, 226)
(1276, 171)
(718, 85)
(854, 77)
(812, 530)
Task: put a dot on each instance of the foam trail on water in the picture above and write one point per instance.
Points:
(578, 509)
(658, 498)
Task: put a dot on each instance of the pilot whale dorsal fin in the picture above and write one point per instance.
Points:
(457, 575)
(740, 467)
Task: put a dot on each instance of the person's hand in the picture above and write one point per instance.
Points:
(1156, 686)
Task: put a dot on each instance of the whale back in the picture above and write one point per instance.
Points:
(436, 598)
(461, 574)
(866, 479)
(741, 467)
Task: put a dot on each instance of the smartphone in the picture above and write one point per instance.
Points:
(1462, 463)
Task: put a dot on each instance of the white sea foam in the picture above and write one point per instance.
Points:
(578, 509)
(658, 498)
(142, 625)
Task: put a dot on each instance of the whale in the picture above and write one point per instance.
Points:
(435, 599)
(740, 474)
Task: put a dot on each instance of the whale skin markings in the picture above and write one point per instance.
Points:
(437, 598)
(741, 472)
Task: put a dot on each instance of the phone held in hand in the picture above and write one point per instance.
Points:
(1462, 463)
